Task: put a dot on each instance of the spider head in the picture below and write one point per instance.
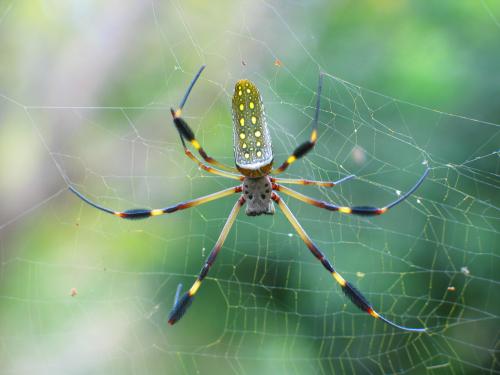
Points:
(253, 154)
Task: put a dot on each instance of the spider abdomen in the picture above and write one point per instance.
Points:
(257, 192)
(252, 142)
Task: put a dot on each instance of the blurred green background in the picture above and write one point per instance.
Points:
(85, 93)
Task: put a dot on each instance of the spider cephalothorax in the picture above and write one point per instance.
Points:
(257, 192)
(259, 189)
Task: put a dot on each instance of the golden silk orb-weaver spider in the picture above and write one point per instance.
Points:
(258, 186)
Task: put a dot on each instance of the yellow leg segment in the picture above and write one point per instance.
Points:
(144, 213)
(211, 169)
(186, 132)
(307, 146)
(185, 301)
(355, 210)
(294, 181)
(349, 290)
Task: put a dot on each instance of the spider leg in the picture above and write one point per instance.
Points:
(177, 294)
(310, 182)
(349, 290)
(143, 213)
(208, 168)
(185, 301)
(357, 210)
(188, 134)
(307, 146)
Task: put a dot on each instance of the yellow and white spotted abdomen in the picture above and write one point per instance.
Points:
(252, 143)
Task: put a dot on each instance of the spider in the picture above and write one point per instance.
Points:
(258, 186)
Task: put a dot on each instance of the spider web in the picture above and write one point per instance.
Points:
(85, 95)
